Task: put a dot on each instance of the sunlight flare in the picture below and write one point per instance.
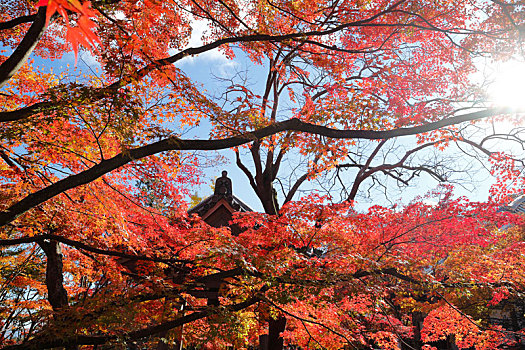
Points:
(507, 89)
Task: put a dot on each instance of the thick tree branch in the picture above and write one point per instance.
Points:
(48, 106)
(256, 156)
(83, 246)
(24, 49)
(294, 188)
(278, 161)
(17, 21)
(174, 143)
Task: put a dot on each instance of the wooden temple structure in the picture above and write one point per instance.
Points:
(217, 211)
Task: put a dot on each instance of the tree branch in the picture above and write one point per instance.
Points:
(24, 49)
(245, 170)
(174, 143)
(361, 174)
(17, 21)
(56, 293)
(44, 343)
(83, 246)
(141, 73)
(298, 184)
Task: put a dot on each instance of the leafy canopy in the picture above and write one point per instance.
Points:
(97, 244)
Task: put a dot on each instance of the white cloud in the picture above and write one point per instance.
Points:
(87, 58)
(215, 59)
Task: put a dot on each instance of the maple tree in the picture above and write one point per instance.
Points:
(98, 248)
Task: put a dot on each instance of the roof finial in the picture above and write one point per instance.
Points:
(223, 185)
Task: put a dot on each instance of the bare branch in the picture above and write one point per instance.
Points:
(245, 170)
(174, 143)
(47, 106)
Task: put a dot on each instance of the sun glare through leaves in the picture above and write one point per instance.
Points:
(507, 88)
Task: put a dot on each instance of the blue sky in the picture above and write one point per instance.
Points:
(206, 69)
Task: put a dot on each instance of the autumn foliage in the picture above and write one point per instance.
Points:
(338, 99)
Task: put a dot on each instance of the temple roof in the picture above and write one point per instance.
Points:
(223, 194)
(517, 205)
(209, 202)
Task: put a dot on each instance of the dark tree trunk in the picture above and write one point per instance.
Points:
(417, 323)
(275, 327)
(56, 293)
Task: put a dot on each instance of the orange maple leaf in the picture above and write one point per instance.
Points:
(82, 34)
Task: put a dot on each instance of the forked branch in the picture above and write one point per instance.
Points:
(175, 143)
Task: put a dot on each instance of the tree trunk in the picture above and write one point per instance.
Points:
(273, 341)
(417, 323)
(275, 327)
(56, 293)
